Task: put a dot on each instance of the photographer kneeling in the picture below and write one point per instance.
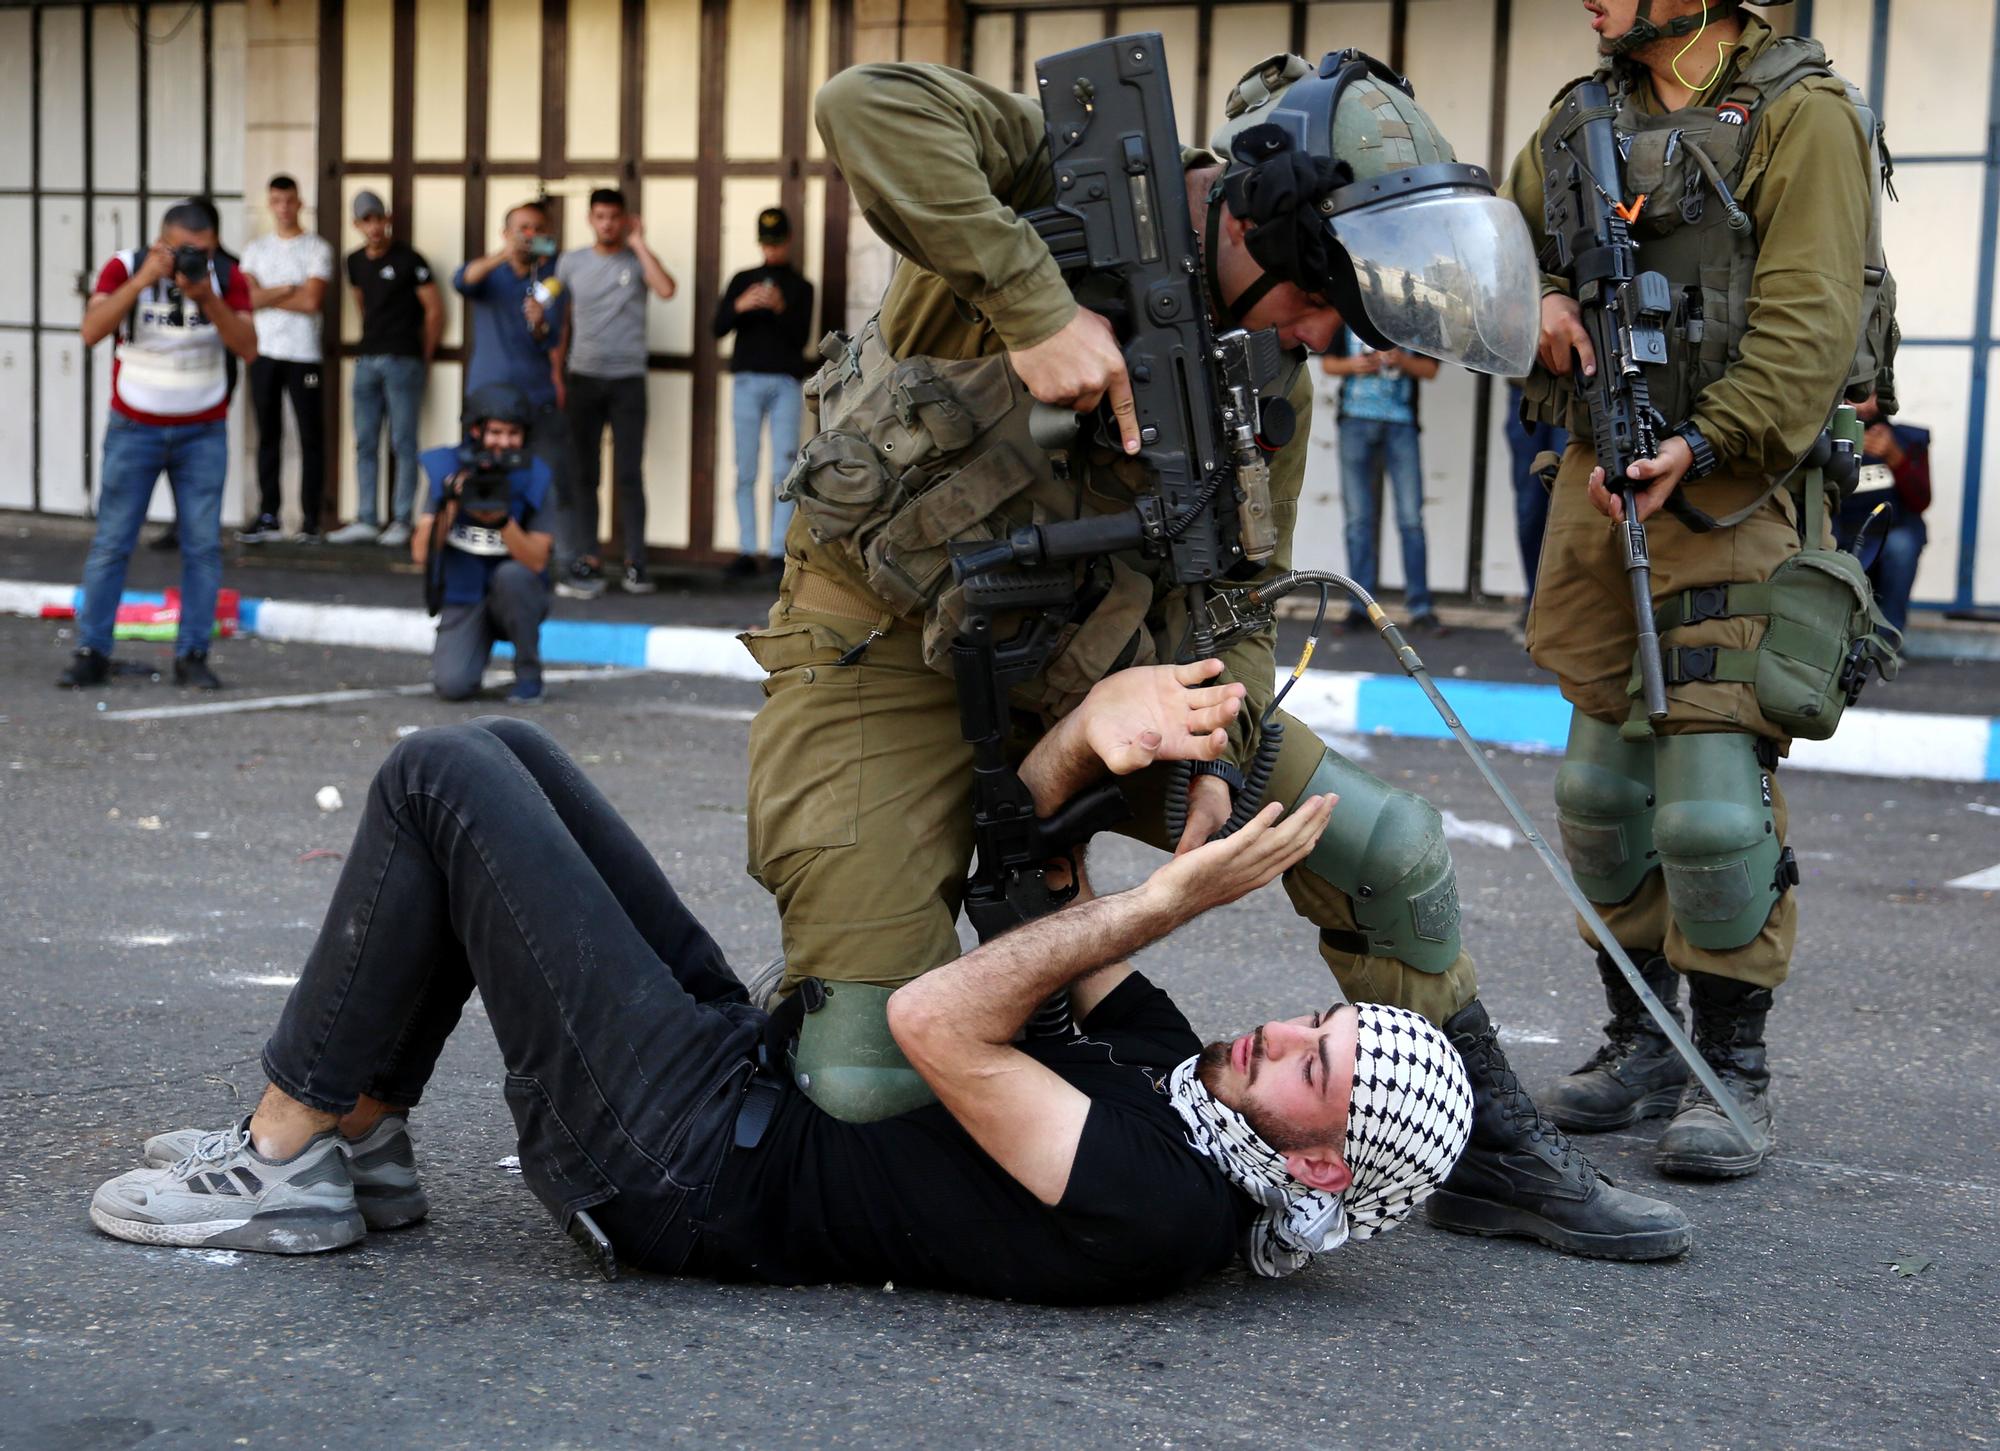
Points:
(486, 564)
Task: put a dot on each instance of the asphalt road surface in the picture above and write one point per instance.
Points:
(161, 892)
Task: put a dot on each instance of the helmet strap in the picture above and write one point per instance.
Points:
(1644, 32)
(1245, 300)
(1211, 248)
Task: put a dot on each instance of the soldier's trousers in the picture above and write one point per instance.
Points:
(861, 815)
(1580, 627)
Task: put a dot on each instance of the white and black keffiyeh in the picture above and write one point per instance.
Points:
(1409, 1121)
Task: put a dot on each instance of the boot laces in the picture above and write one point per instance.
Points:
(1521, 1110)
(1621, 1036)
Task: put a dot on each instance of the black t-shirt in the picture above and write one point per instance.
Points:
(914, 1200)
(392, 317)
(766, 341)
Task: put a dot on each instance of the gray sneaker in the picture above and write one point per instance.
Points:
(396, 536)
(356, 533)
(225, 1195)
(382, 1163)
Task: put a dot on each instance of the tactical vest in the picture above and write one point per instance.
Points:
(910, 456)
(1683, 162)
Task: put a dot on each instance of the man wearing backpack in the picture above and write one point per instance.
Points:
(178, 311)
(1749, 175)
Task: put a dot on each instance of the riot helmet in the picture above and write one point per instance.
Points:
(1349, 190)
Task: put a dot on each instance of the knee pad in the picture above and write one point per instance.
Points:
(1717, 838)
(1604, 809)
(1385, 849)
(846, 1060)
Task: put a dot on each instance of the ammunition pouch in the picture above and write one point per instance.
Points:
(912, 456)
(1824, 637)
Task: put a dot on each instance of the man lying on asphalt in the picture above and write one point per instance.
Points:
(1125, 1161)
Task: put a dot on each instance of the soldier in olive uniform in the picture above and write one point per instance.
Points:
(860, 792)
(1756, 170)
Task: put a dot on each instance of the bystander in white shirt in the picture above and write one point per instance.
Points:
(275, 261)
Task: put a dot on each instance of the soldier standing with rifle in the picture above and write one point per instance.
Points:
(1744, 171)
(859, 814)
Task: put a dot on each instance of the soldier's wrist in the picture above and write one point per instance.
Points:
(1224, 771)
(1700, 451)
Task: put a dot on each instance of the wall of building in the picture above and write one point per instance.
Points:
(122, 106)
(112, 113)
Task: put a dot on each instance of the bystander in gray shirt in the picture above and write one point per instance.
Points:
(608, 312)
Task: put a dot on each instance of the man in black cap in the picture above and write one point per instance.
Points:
(770, 309)
(402, 318)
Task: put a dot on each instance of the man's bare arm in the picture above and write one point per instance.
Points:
(530, 547)
(306, 297)
(107, 309)
(433, 305)
(1129, 721)
(956, 1023)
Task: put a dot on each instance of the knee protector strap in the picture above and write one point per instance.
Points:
(1385, 849)
(1604, 809)
(1717, 838)
(846, 1060)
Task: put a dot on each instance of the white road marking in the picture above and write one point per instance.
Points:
(247, 979)
(1986, 881)
(330, 697)
(1485, 833)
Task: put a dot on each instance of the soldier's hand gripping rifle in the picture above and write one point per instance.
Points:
(1123, 236)
(1625, 313)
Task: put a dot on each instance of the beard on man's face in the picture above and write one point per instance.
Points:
(1283, 1137)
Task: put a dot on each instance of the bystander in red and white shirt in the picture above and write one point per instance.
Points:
(170, 365)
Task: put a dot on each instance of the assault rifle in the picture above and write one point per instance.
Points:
(1625, 313)
(1122, 234)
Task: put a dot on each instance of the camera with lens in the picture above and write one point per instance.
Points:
(483, 487)
(190, 262)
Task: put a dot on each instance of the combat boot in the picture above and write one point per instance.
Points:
(1635, 1073)
(1729, 1030)
(1521, 1176)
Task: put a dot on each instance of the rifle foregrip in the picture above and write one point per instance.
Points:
(1081, 817)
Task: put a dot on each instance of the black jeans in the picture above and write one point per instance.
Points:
(271, 381)
(485, 859)
(621, 402)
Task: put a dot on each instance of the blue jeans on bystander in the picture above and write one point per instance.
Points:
(755, 397)
(386, 383)
(1368, 448)
(195, 459)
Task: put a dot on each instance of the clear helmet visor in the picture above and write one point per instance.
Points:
(1449, 273)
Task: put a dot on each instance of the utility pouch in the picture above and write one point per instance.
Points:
(912, 456)
(1823, 638)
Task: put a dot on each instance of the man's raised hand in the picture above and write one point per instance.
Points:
(1159, 713)
(1219, 872)
(1077, 367)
